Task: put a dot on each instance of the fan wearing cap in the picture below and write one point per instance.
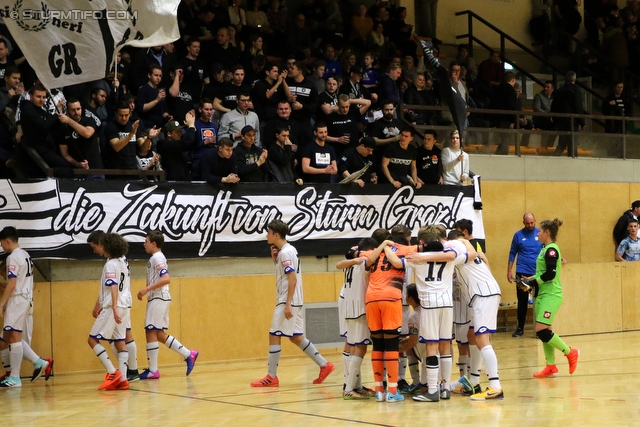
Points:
(354, 87)
(354, 159)
(176, 143)
(251, 160)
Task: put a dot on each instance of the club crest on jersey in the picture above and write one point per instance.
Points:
(161, 267)
(12, 268)
(553, 253)
(110, 275)
(547, 315)
(286, 262)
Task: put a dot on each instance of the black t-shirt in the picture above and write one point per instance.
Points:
(428, 164)
(352, 161)
(400, 161)
(229, 93)
(154, 116)
(248, 169)
(307, 95)
(194, 74)
(325, 98)
(179, 105)
(265, 107)
(344, 125)
(213, 167)
(83, 148)
(383, 129)
(126, 157)
(320, 158)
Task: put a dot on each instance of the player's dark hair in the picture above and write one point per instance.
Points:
(408, 129)
(380, 235)
(552, 226)
(156, 236)
(455, 235)
(9, 233)
(412, 291)
(318, 125)
(96, 237)
(123, 105)
(114, 245)
(632, 220)
(400, 234)
(280, 227)
(464, 224)
(367, 244)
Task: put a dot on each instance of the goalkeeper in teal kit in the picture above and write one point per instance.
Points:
(547, 277)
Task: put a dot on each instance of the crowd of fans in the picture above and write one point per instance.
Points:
(254, 92)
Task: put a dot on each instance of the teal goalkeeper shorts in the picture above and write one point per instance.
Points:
(547, 307)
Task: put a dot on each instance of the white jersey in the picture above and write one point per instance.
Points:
(434, 279)
(356, 280)
(20, 267)
(288, 262)
(115, 273)
(477, 278)
(156, 268)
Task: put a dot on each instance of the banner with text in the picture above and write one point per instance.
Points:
(54, 217)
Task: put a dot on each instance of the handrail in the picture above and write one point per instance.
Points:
(127, 172)
(44, 167)
(504, 36)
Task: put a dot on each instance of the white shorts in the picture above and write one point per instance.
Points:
(485, 314)
(157, 317)
(406, 312)
(106, 328)
(461, 332)
(341, 314)
(358, 331)
(281, 326)
(16, 313)
(27, 334)
(435, 324)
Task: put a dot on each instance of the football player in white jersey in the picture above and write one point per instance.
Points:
(416, 353)
(158, 303)
(434, 274)
(484, 294)
(16, 301)
(94, 240)
(113, 311)
(356, 280)
(288, 319)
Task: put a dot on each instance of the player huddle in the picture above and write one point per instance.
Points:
(385, 273)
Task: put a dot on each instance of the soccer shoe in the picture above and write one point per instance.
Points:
(489, 393)
(48, 370)
(572, 357)
(148, 375)
(133, 375)
(354, 395)
(122, 385)
(191, 361)
(5, 376)
(267, 381)
(381, 396)
(366, 391)
(518, 333)
(466, 388)
(427, 397)
(111, 379)
(402, 384)
(445, 394)
(410, 389)
(39, 367)
(547, 371)
(11, 382)
(394, 397)
(324, 372)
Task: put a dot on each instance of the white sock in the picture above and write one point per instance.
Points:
(463, 362)
(402, 366)
(432, 376)
(132, 348)
(153, 348)
(123, 360)
(491, 365)
(274, 358)
(446, 365)
(355, 363)
(16, 358)
(101, 352)
(423, 373)
(6, 359)
(28, 353)
(310, 350)
(414, 369)
(175, 345)
(345, 361)
(476, 364)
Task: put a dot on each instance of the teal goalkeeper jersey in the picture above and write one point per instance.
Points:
(549, 286)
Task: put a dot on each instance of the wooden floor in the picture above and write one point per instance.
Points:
(603, 391)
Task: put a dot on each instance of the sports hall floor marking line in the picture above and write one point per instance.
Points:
(244, 405)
